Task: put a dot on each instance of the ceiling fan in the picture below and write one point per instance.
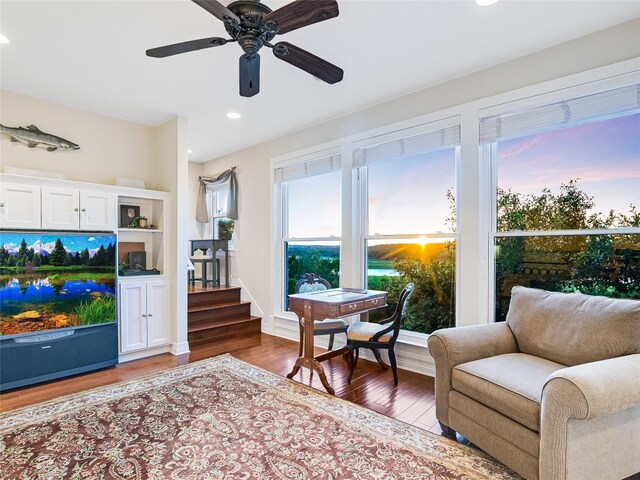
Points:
(253, 25)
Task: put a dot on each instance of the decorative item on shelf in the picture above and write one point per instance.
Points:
(138, 260)
(139, 222)
(225, 228)
(128, 213)
(137, 265)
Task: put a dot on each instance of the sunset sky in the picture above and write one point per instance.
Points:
(410, 196)
(604, 156)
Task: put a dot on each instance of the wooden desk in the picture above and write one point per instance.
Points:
(334, 303)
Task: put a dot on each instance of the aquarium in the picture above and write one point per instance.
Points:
(51, 281)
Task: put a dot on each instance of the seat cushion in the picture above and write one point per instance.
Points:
(363, 331)
(510, 384)
(330, 324)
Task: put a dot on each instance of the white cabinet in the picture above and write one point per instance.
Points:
(74, 209)
(19, 205)
(144, 314)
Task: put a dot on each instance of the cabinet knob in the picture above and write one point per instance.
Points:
(1, 205)
(83, 210)
(144, 314)
(75, 209)
(150, 315)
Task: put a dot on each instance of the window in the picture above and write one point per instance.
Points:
(310, 220)
(407, 185)
(570, 223)
(217, 196)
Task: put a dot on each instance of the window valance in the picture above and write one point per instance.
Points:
(202, 213)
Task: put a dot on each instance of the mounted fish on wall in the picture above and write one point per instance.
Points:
(32, 137)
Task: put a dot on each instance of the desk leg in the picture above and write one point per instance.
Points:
(307, 360)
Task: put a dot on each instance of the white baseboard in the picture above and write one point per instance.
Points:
(180, 348)
(149, 352)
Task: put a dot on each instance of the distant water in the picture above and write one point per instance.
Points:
(382, 272)
(40, 293)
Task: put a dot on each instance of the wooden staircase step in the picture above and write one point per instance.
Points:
(214, 312)
(213, 295)
(225, 322)
(216, 306)
(229, 327)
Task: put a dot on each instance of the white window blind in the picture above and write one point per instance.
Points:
(563, 114)
(446, 137)
(310, 168)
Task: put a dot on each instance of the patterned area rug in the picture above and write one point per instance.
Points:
(223, 419)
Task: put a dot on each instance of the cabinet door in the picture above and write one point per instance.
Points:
(133, 316)
(60, 208)
(97, 211)
(158, 312)
(19, 206)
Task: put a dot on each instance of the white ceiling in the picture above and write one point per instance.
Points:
(90, 54)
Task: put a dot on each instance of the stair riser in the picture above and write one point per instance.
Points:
(214, 297)
(220, 313)
(213, 334)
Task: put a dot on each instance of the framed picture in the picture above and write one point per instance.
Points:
(138, 260)
(127, 214)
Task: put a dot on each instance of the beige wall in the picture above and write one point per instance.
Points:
(252, 237)
(109, 147)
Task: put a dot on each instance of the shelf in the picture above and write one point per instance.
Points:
(145, 230)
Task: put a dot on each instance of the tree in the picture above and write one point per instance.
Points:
(591, 264)
(58, 254)
(84, 257)
(21, 257)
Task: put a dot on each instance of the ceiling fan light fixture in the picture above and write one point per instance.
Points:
(233, 115)
(485, 3)
(253, 25)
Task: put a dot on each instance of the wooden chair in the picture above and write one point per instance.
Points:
(310, 282)
(378, 336)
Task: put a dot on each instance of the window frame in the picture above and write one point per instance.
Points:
(488, 158)
(281, 223)
(474, 246)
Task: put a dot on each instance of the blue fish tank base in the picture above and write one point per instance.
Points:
(58, 309)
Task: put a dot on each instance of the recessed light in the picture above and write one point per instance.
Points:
(485, 3)
(3, 39)
(189, 151)
(233, 115)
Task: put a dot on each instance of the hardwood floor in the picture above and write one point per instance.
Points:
(412, 401)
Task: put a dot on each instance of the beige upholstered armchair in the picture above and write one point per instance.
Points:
(553, 392)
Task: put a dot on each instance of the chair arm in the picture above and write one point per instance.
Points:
(464, 344)
(594, 389)
(590, 420)
(452, 346)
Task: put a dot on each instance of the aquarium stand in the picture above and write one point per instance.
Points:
(39, 357)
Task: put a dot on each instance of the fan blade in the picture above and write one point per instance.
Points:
(217, 9)
(302, 13)
(249, 75)
(308, 62)
(190, 46)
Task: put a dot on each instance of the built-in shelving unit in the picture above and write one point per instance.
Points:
(151, 205)
(145, 302)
